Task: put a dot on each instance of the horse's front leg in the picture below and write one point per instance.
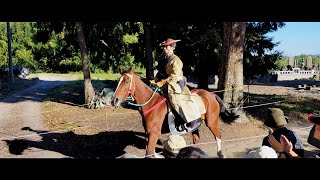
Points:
(153, 138)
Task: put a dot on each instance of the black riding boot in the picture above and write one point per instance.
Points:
(190, 126)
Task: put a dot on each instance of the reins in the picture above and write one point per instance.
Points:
(131, 95)
(140, 105)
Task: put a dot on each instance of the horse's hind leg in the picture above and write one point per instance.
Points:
(212, 124)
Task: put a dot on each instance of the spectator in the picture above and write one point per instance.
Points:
(173, 145)
(284, 147)
(191, 152)
(176, 147)
(262, 152)
(314, 135)
(277, 122)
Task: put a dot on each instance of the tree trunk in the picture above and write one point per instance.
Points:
(231, 73)
(203, 68)
(88, 89)
(10, 53)
(149, 63)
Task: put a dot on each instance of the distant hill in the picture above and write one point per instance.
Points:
(316, 55)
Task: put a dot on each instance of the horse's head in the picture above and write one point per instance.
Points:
(125, 87)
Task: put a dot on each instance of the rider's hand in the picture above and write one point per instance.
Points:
(152, 81)
(161, 83)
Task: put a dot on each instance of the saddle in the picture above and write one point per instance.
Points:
(177, 125)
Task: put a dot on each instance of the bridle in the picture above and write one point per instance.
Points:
(130, 92)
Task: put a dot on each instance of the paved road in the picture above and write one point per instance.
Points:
(20, 113)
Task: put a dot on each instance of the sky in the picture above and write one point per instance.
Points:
(298, 38)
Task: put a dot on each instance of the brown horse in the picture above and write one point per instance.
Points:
(154, 109)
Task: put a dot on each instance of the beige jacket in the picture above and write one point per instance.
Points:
(188, 106)
(174, 71)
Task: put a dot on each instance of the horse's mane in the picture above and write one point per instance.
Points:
(143, 79)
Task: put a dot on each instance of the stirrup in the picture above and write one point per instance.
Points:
(193, 125)
(183, 127)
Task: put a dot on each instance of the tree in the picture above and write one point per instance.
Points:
(10, 53)
(259, 56)
(203, 73)
(281, 64)
(88, 88)
(231, 73)
(148, 54)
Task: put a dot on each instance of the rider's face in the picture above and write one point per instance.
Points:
(168, 50)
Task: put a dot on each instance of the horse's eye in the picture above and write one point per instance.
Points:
(127, 82)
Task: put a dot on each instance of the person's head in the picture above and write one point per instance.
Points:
(262, 152)
(169, 46)
(173, 145)
(191, 152)
(314, 119)
(275, 118)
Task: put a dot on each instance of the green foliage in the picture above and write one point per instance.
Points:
(316, 61)
(126, 60)
(22, 34)
(130, 39)
(74, 63)
(258, 54)
(281, 64)
(53, 46)
(301, 60)
(97, 76)
(3, 53)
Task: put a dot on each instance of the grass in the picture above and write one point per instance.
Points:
(109, 76)
(296, 107)
(73, 91)
(101, 76)
(93, 76)
(99, 81)
(67, 127)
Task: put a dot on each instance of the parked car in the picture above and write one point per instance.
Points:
(19, 71)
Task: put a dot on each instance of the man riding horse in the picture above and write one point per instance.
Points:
(188, 106)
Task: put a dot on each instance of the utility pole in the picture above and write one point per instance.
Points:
(10, 53)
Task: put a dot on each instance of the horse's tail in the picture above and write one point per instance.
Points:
(225, 115)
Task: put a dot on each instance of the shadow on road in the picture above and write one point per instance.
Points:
(68, 92)
(36, 93)
(102, 145)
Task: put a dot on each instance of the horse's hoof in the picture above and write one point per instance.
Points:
(220, 155)
(157, 156)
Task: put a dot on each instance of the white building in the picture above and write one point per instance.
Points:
(296, 73)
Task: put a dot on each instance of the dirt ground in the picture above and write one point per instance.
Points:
(70, 130)
(109, 132)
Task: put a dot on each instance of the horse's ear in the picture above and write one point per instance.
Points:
(120, 70)
(131, 70)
